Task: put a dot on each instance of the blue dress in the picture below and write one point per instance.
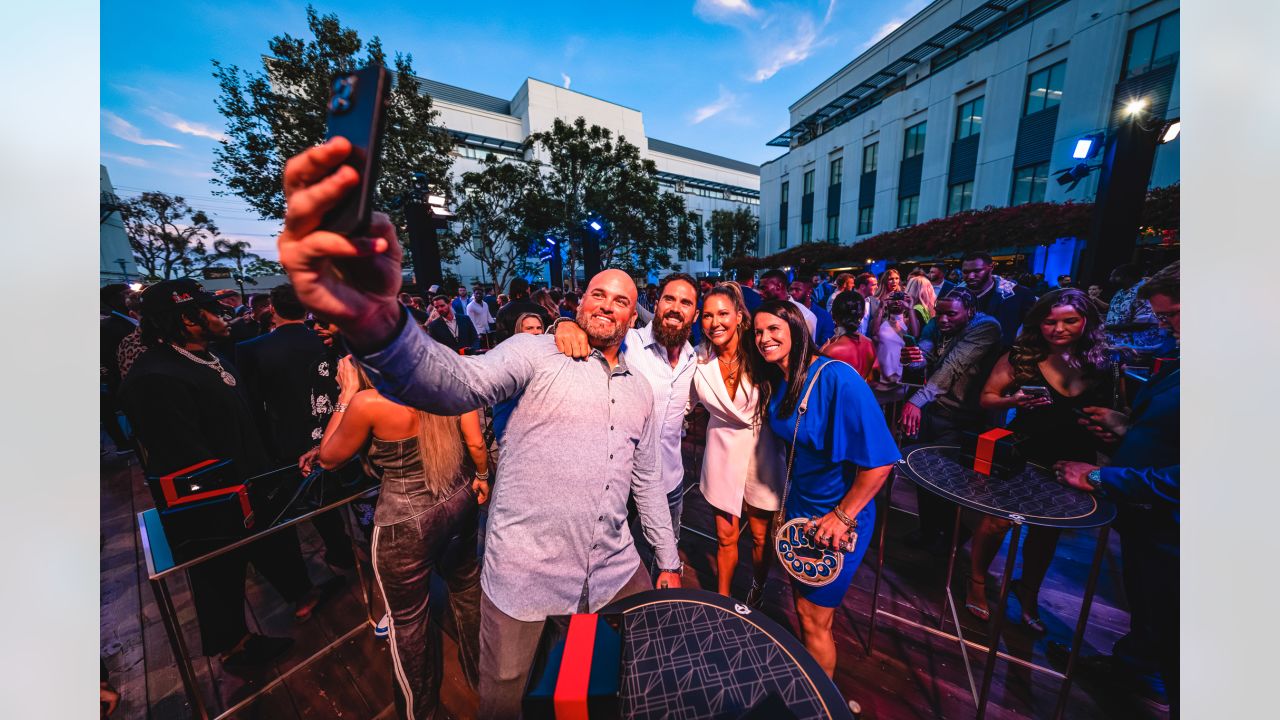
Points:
(842, 431)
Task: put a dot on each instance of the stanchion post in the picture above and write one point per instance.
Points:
(170, 618)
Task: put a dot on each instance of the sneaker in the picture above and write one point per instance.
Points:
(383, 628)
(257, 650)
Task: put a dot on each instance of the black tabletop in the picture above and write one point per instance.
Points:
(697, 654)
(1035, 496)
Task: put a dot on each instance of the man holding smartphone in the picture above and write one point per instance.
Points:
(957, 349)
(555, 543)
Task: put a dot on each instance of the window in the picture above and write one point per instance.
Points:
(913, 142)
(1044, 88)
(869, 154)
(908, 208)
(1029, 183)
(786, 190)
(700, 236)
(864, 220)
(833, 228)
(782, 238)
(1151, 46)
(837, 170)
(808, 183)
(806, 232)
(960, 198)
(969, 119)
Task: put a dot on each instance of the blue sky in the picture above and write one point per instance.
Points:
(717, 75)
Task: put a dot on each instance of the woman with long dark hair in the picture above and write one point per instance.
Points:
(434, 472)
(840, 453)
(1062, 348)
(742, 466)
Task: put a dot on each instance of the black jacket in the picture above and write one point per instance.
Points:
(291, 380)
(506, 317)
(466, 338)
(183, 413)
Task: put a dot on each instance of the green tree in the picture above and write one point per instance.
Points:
(733, 233)
(278, 112)
(168, 237)
(495, 217)
(586, 171)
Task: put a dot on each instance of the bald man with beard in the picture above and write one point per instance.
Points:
(557, 541)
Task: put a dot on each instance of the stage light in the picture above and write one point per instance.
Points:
(595, 225)
(1135, 107)
(550, 241)
(135, 286)
(1170, 131)
(1072, 177)
(1083, 146)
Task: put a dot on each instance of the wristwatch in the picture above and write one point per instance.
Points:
(678, 570)
(1094, 478)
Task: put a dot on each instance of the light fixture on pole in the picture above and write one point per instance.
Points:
(1170, 131)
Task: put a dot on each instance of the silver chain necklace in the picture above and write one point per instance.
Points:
(215, 363)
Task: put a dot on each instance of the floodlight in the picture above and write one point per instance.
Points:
(1083, 145)
(135, 286)
(1072, 177)
(595, 225)
(550, 241)
(1170, 131)
(1135, 107)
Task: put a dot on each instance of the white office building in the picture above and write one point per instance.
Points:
(969, 104)
(484, 124)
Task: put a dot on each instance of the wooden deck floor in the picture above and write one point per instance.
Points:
(910, 674)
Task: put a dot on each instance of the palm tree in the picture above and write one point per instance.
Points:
(238, 252)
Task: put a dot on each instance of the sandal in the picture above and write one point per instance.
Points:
(1030, 619)
(755, 598)
(974, 609)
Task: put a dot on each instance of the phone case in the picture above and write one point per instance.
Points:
(357, 111)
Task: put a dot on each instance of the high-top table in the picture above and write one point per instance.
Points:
(694, 653)
(162, 564)
(1032, 497)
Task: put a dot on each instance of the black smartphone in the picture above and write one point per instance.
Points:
(357, 112)
(1037, 391)
(910, 341)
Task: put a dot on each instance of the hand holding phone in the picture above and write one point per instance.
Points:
(357, 112)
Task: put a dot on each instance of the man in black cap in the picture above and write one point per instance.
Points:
(188, 405)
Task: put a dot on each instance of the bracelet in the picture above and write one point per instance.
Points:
(481, 476)
(340, 407)
(851, 522)
(678, 570)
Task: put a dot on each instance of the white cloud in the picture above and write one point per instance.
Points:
(792, 51)
(186, 126)
(776, 36)
(126, 130)
(725, 101)
(724, 10)
(127, 159)
(566, 80)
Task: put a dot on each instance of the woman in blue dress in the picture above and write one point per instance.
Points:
(843, 453)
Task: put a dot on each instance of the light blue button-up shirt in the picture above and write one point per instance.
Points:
(670, 385)
(580, 440)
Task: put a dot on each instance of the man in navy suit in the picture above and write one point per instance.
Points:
(747, 280)
(450, 328)
(1143, 479)
(291, 378)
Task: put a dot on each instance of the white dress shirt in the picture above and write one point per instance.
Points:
(648, 358)
(809, 318)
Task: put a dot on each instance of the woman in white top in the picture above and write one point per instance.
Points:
(887, 329)
(744, 466)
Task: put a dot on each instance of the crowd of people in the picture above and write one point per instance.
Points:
(811, 386)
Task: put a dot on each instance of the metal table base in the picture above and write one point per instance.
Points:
(169, 614)
(981, 695)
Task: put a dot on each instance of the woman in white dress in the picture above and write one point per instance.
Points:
(744, 466)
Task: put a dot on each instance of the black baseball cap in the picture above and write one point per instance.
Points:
(170, 295)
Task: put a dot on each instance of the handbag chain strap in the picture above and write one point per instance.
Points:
(791, 456)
